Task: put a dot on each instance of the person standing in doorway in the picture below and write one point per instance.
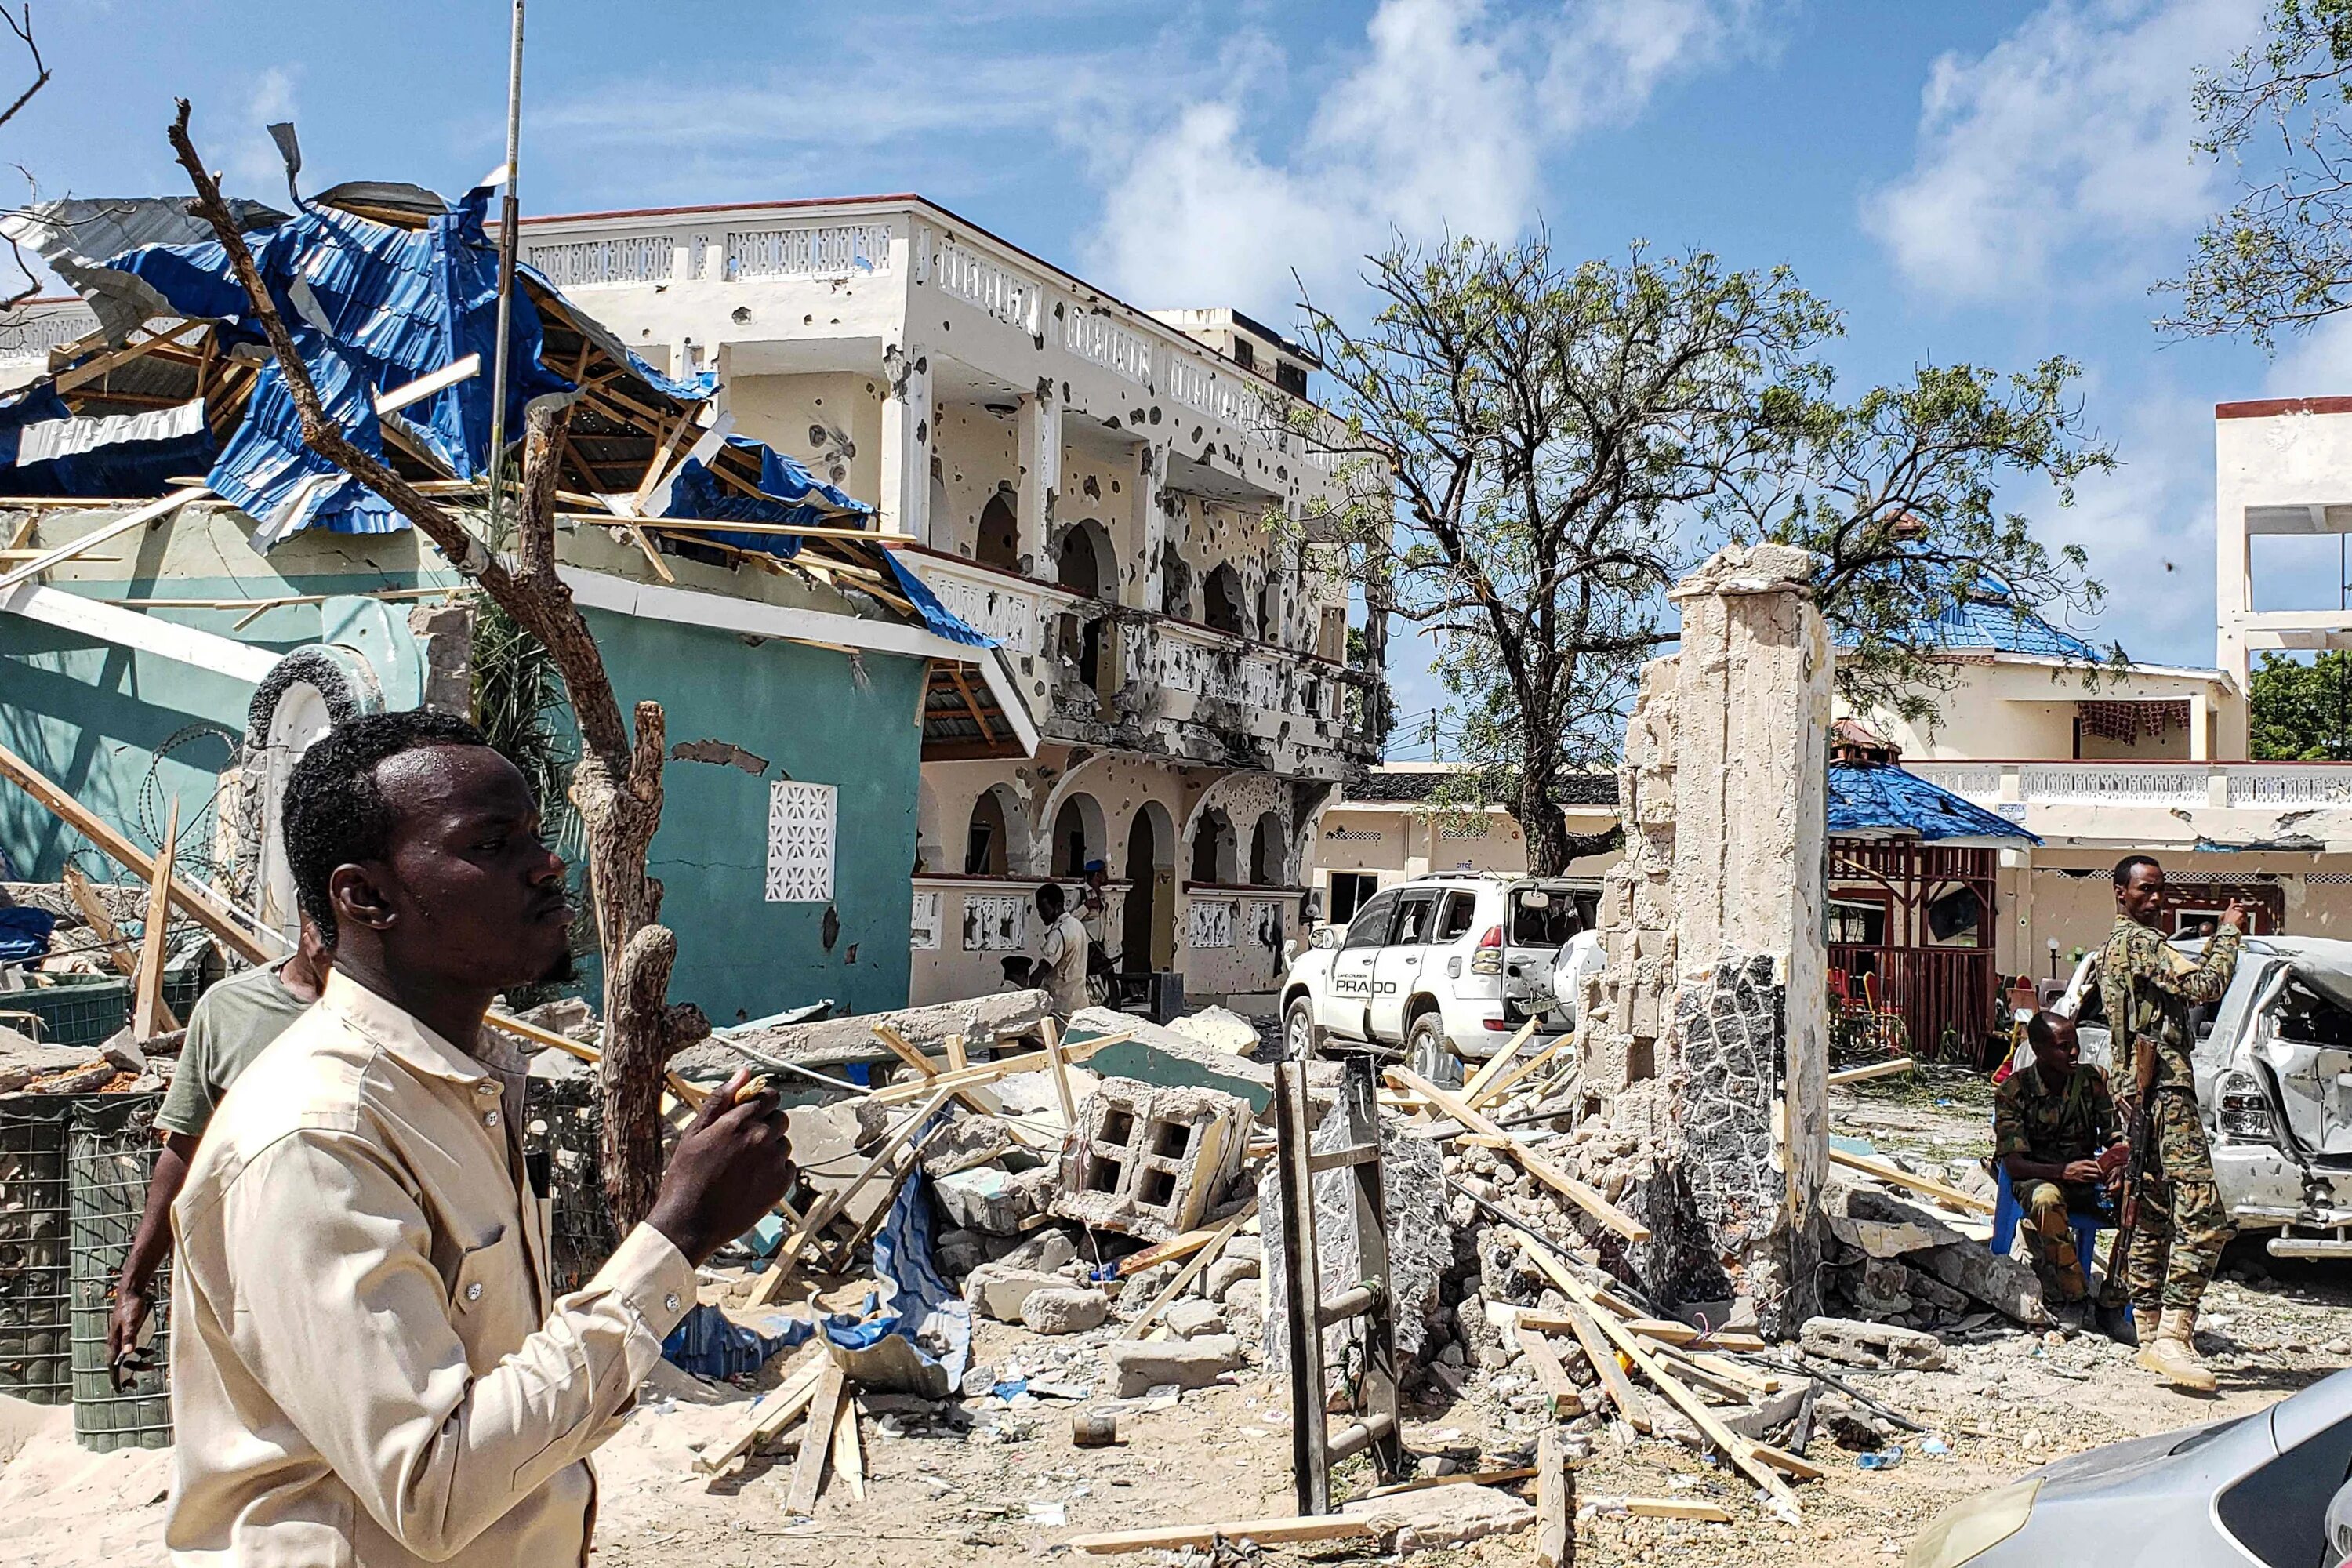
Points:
(2148, 987)
(1061, 966)
(232, 1023)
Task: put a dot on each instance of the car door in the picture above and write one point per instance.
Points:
(1396, 972)
(1350, 992)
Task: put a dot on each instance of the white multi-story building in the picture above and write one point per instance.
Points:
(1102, 489)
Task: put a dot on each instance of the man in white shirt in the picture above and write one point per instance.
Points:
(1062, 957)
(369, 1366)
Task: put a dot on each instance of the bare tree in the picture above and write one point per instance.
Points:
(21, 25)
(617, 787)
(1548, 428)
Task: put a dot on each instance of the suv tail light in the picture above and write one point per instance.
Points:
(1488, 958)
(2244, 1114)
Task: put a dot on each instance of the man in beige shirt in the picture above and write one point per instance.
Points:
(369, 1366)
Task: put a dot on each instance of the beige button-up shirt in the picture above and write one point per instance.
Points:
(366, 1367)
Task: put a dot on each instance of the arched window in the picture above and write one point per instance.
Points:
(988, 842)
(1084, 566)
(1000, 535)
(1266, 852)
(1215, 854)
(1221, 601)
(1078, 835)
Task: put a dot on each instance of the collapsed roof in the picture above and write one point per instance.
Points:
(390, 293)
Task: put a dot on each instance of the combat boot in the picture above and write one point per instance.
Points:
(2171, 1356)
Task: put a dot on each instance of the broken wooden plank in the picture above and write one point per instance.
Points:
(904, 1049)
(848, 1456)
(1168, 1251)
(1208, 1249)
(989, 1072)
(1671, 1508)
(1467, 1478)
(1051, 1029)
(214, 916)
(772, 1283)
(1516, 1075)
(817, 1449)
(1543, 1170)
(1603, 1357)
(1295, 1527)
(1555, 1514)
(425, 386)
(1561, 1395)
(154, 512)
(116, 949)
(1739, 1450)
(148, 999)
(774, 1410)
(1942, 1192)
(1474, 1093)
(1875, 1069)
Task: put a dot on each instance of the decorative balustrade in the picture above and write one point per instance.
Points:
(1977, 782)
(1009, 609)
(808, 250)
(591, 263)
(2292, 785)
(1222, 669)
(2272, 786)
(36, 330)
(1094, 336)
(987, 284)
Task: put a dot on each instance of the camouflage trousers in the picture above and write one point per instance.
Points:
(2182, 1225)
(2049, 1238)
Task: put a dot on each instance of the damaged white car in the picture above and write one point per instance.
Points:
(2274, 1063)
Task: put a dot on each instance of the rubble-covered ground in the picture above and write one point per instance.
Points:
(986, 1479)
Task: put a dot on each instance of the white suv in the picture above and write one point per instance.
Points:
(1447, 968)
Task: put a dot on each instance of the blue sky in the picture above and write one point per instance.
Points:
(1990, 182)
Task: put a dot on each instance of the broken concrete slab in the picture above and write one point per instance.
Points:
(1436, 1517)
(22, 1060)
(1044, 1253)
(1858, 1343)
(1883, 1238)
(2004, 1284)
(1191, 1318)
(1225, 1272)
(1150, 1161)
(1164, 1058)
(963, 1143)
(1138, 1366)
(991, 1199)
(984, 1021)
(1064, 1309)
(998, 1291)
(1758, 1422)
(1220, 1029)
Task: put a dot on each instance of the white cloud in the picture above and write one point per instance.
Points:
(1440, 123)
(2063, 152)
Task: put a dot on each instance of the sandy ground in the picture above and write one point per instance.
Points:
(991, 1484)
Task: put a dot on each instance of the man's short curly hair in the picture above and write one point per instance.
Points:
(335, 814)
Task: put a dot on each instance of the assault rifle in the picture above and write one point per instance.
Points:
(2140, 1164)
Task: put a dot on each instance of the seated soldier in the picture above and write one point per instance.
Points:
(2051, 1123)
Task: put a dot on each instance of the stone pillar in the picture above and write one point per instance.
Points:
(1039, 450)
(1706, 1033)
(1150, 531)
(906, 498)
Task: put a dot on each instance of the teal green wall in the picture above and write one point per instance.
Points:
(92, 716)
(804, 710)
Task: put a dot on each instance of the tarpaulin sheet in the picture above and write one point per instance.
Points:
(786, 489)
(936, 616)
(53, 453)
(1880, 800)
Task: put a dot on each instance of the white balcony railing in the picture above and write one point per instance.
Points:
(1094, 337)
(1209, 664)
(31, 331)
(2272, 786)
(1013, 610)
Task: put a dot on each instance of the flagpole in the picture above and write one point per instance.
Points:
(510, 220)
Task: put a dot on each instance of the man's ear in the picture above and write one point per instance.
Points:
(357, 895)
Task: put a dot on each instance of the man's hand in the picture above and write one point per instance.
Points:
(2080, 1172)
(2234, 917)
(730, 1167)
(122, 1329)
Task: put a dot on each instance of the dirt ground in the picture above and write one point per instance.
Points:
(989, 1483)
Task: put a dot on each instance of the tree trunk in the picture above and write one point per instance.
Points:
(617, 787)
(1538, 816)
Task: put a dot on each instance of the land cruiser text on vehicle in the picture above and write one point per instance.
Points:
(1446, 968)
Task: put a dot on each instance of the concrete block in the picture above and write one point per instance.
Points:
(996, 1290)
(1220, 1029)
(991, 1199)
(2004, 1284)
(1166, 1059)
(1225, 1272)
(1191, 1318)
(1871, 1344)
(1044, 1252)
(1150, 1161)
(1138, 1366)
(1065, 1309)
(1242, 1300)
(965, 1142)
(1758, 1421)
(1437, 1518)
(1881, 1238)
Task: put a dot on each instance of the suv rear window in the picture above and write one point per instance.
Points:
(1543, 918)
(1461, 914)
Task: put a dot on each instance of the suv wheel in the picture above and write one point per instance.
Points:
(1300, 1038)
(1430, 1053)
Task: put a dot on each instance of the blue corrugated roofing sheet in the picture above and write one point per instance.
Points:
(1878, 800)
(1993, 622)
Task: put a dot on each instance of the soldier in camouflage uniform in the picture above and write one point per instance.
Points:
(2052, 1123)
(2148, 988)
